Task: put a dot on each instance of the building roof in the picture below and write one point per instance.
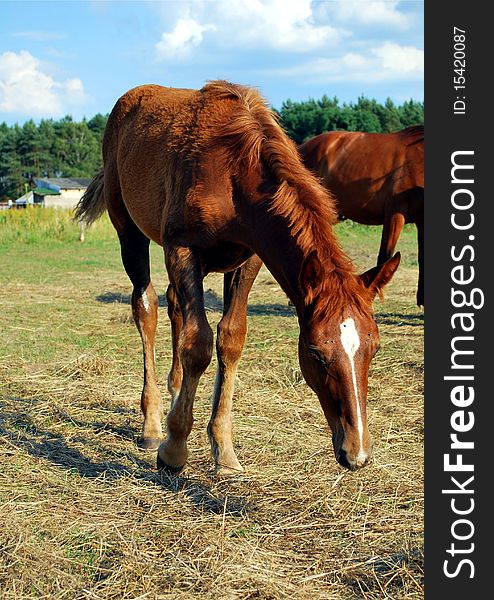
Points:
(22, 199)
(41, 191)
(63, 183)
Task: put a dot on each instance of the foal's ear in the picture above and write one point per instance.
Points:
(376, 278)
(310, 276)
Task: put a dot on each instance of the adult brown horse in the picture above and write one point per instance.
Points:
(209, 175)
(378, 179)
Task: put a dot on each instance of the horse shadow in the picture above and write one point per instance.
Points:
(413, 319)
(21, 432)
(212, 303)
(118, 298)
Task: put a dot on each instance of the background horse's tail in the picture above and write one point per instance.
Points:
(92, 204)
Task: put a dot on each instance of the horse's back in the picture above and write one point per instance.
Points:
(316, 151)
(149, 98)
(169, 154)
(145, 132)
(353, 155)
(144, 114)
(366, 171)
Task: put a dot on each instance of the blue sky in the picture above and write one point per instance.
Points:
(77, 58)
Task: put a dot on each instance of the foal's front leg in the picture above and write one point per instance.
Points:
(229, 344)
(175, 315)
(195, 347)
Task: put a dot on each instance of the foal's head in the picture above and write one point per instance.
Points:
(338, 340)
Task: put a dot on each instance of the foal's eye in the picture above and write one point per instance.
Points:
(316, 355)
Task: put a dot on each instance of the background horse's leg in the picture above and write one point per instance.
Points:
(420, 287)
(229, 344)
(175, 315)
(392, 228)
(135, 257)
(195, 348)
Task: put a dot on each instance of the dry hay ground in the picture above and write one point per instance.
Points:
(84, 514)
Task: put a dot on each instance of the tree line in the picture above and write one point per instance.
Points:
(65, 148)
(303, 120)
(62, 148)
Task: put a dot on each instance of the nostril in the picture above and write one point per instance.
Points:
(353, 463)
(363, 461)
(343, 460)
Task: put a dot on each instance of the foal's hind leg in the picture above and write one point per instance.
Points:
(135, 257)
(195, 346)
(229, 344)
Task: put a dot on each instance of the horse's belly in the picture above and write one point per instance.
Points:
(147, 217)
(365, 215)
(224, 258)
(359, 205)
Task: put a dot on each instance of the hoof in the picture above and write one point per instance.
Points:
(162, 466)
(226, 473)
(148, 443)
(229, 471)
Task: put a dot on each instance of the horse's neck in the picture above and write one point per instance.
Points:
(284, 260)
(274, 241)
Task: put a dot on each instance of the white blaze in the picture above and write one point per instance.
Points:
(350, 341)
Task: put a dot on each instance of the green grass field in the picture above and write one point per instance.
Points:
(84, 513)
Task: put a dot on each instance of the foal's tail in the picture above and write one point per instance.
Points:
(92, 204)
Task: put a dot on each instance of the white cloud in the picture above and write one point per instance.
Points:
(249, 24)
(279, 24)
(39, 35)
(388, 61)
(396, 59)
(364, 42)
(370, 12)
(186, 35)
(26, 89)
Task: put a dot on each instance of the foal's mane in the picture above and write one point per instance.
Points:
(253, 134)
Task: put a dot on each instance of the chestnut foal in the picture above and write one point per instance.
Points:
(209, 175)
